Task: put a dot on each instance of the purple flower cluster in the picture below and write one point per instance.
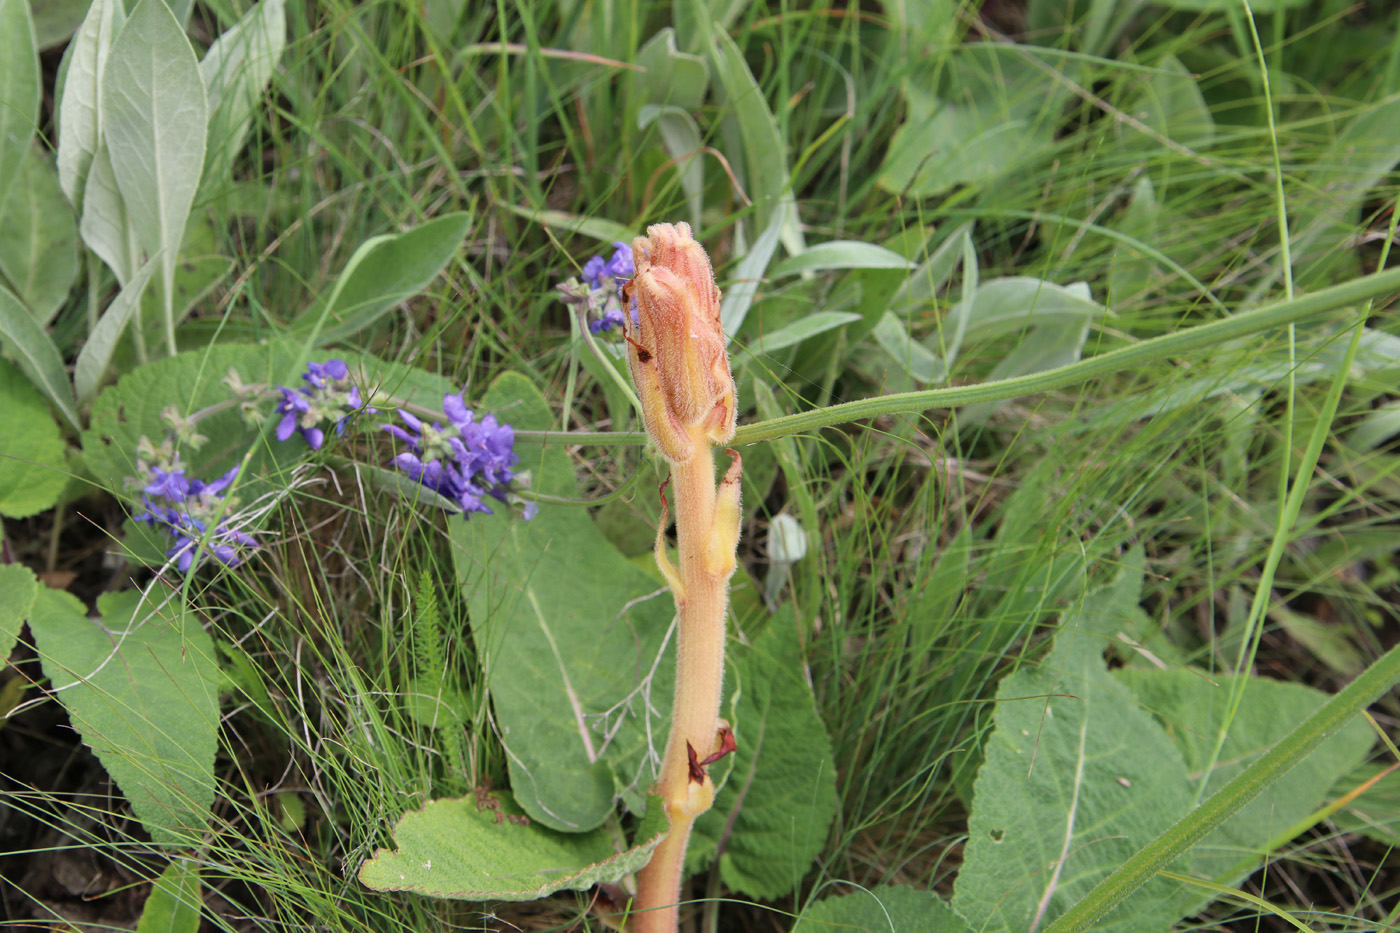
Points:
(464, 462)
(186, 509)
(600, 292)
(328, 396)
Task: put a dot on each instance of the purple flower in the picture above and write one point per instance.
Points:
(186, 509)
(601, 290)
(463, 462)
(328, 396)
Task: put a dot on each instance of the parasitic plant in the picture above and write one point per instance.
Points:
(679, 363)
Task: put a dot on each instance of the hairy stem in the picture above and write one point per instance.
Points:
(701, 601)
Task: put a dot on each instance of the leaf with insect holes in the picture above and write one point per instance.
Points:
(1076, 779)
(571, 634)
(483, 848)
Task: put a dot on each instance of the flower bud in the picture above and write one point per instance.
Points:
(676, 345)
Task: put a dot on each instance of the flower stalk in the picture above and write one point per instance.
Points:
(675, 348)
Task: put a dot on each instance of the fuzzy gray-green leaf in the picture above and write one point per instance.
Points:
(479, 849)
(19, 88)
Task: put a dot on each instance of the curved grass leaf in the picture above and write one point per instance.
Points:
(384, 271)
(751, 124)
(599, 228)
(19, 89)
(141, 687)
(890, 908)
(571, 633)
(38, 239)
(23, 339)
(80, 106)
(32, 473)
(471, 849)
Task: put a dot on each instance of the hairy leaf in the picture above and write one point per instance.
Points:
(19, 89)
(1076, 779)
(236, 71)
(571, 635)
(890, 908)
(25, 341)
(141, 687)
(38, 239)
(32, 474)
(174, 904)
(80, 110)
(18, 589)
(384, 271)
(476, 849)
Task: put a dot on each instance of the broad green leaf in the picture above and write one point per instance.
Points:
(19, 89)
(236, 71)
(926, 281)
(1008, 305)
(141, 687)
(174, 903)
(1056, 339)
(763, 167)
(599, 228)
(23, 340)
(38, 239)
(1375, 427)
(681, 137)
(383, 272)
(672, 78)
(1076, 779)
(1133, 271)
(810, 326)
(97, 351)
(32, 472)
(18, 589)
(994, 113)
(841, 254)
(1171, 103)
(890, 908)
(572, 635)
(476, 849)
(770, 818)
(154, 120)
(105, 225)
(917, 360)
(694, 18)
(738, 296)
(80, 126)
(1190, 705)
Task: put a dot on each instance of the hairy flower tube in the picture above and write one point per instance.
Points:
(187, 509)
(329, 397)
(676, 351)
(464, 462)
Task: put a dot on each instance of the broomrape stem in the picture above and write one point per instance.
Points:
(699, 679)
(678, 360)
